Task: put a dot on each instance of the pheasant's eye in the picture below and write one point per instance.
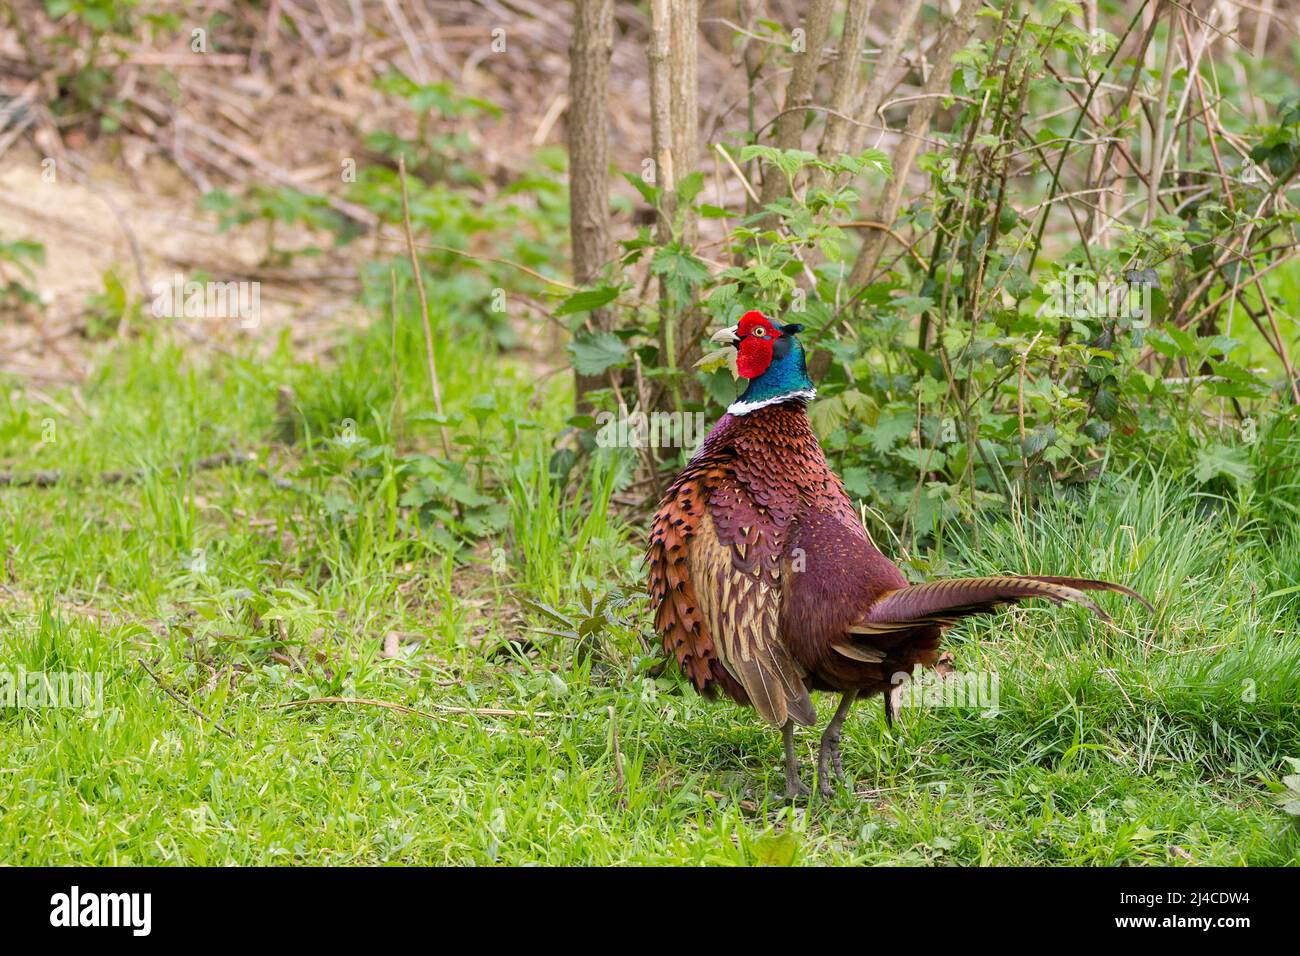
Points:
(759, 332)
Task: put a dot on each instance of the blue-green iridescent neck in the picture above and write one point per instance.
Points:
(787, 376)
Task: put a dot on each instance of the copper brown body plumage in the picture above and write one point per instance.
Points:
(766, 585)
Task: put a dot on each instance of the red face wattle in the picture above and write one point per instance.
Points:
(757, 333)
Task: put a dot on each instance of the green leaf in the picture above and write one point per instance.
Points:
(1106, 403)
(1221, 461)
(680, 270)
(587, 300)
(779, 849)
(857, 482)
(871, 158)
(1037, 440)
(789, 161)
(891, 427)
(593, 354)
(827, 415)
(690, 187)
(648, 192)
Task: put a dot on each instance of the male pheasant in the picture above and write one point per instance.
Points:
(767, 586)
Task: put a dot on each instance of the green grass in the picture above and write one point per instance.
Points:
(1137, 742)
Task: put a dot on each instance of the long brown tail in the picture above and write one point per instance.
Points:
(943, 602)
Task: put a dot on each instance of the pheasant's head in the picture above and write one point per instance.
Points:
(769, 355)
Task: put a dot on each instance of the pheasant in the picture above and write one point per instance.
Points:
(767, 586)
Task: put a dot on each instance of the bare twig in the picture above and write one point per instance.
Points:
(424, 308)
(182, 701)
(618, 756)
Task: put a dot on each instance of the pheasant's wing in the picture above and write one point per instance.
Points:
(678, 617)
(943, 602)
(738, 582)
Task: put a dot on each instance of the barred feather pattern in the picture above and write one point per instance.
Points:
(752, 478)
(742, 610)
(766, 585)
(943, 602)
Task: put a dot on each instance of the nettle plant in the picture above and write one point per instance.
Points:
(983, 356)
(276, 206)
(781, 249)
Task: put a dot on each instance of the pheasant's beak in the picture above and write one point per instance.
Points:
(729, 339)
(727, 336)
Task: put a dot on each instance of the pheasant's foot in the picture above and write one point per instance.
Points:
(794, 786)
(830, 766)
(796, 789)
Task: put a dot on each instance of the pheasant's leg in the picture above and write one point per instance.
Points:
(794, 787)
(828, 759)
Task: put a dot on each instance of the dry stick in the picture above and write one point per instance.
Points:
(1095, 173)
(479, 257)
(1158, 132)
(908, 247)
(365, 701)
(1161, 157)
(20, 105)
(1084, 112)
(875, 92)
(1020, 410)
(859, 124)
(137, 257)
(1097, 234)
(1180, 323)
(424, 308)
(954, 37)
(182, 701)
(1208, 279)
(643, 448)
(618, 756)
(1262, 24)
(396, 422)
(402, 708)
(408, 38)
(1211, 124)
(275, 173)
(496, 711)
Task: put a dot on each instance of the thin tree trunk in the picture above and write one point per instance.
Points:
(588, 128)
(882, 76)
(798, 94)
(661, 144)
(684, 93)
(684, 40)
(844, 90)
(953, 39)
